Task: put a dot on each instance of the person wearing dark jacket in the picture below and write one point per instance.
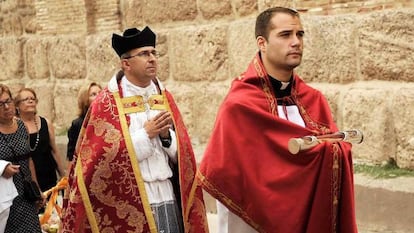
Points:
(85, 98)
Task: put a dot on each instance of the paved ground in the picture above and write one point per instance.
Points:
(212, 224)
(382, 206)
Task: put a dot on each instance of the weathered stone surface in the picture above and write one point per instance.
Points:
(65, 104)
(67, 57)
(102, 16)
(36, 59)
(158, 11)
(241, 46)
(264, 4)
(11, 58)
(367, 109)
(57, 17)
(101, 60)
(11, 24)
(329, 50)
(214, 8)
(199, 53)
(245, 7)
(15, 17)
(385, 46)
(198, 104)
(401, 109)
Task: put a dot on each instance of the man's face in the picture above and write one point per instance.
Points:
(284, 45)
(142, 63)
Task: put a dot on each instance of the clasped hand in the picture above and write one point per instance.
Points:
(159, 125)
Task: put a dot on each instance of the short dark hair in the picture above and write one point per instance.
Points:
(262, 21)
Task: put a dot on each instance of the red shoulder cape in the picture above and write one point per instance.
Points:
(248, 167)
(104, 189)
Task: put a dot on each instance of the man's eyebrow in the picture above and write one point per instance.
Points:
(290, 31)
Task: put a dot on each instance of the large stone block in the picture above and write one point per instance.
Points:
(241, 46)
(102, 16)
(198, 104)
(65, 104)
(11, 59)
(367, 109)
(57, 17)
(16, 17)
(214, 8)
(101, 59)
(245, 7)
(329, 49)
(158, 11)
(199, 53)
(10, 23)
(385, 45)
(37, 62)
(402, 113)
(67, 57)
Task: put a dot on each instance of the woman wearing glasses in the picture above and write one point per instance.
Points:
(46, 157)
(16, 213)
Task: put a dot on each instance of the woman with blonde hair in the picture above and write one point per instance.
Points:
(45, 154)
(85, 98)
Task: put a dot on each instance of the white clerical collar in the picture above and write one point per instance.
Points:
(284, 85)
(130, 89)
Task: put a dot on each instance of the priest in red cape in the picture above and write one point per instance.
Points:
(258, 184)
(134, 167)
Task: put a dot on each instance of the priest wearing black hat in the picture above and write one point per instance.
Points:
(134, 166)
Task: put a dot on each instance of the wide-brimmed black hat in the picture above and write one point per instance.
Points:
(132, 38)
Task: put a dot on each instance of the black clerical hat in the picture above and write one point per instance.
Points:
(132, 38)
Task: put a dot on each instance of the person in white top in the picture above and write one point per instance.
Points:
(8, 190)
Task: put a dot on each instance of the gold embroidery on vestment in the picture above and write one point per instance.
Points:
(134, 163)
(101, 179)
(137, 103)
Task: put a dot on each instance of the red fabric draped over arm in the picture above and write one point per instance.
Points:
(247, 166)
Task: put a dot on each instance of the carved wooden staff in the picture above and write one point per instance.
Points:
(298, 144)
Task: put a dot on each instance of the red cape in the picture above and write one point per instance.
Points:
(106, 190)
(248, 167)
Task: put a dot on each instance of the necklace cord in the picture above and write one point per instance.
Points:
(37, 137)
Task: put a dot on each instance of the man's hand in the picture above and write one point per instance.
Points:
(10, 170)
(159, 125)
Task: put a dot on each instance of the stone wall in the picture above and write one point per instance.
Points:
(358, 53)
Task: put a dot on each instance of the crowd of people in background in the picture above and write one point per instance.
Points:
(28, 151)
(18, 214)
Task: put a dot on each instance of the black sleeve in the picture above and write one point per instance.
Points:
(73, 134)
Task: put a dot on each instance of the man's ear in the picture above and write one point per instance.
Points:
(261, 43)
(125, 64)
